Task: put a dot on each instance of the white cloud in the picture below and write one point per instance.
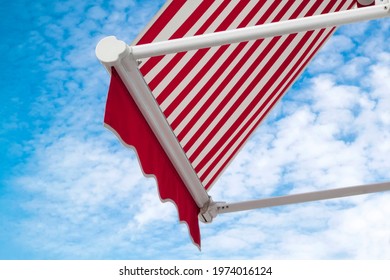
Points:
(319, 230)
(97, 13)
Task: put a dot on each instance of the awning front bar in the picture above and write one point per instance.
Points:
(261, 31)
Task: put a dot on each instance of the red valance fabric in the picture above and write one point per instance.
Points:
(124, 118)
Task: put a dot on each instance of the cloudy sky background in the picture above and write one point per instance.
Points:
(70, 190)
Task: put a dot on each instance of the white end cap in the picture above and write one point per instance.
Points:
(110, 50)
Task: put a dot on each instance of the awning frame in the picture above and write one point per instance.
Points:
(115, 53)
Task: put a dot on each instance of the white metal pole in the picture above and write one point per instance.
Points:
(300, 198)
(260, 31)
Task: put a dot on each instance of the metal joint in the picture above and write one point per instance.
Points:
(210, 210)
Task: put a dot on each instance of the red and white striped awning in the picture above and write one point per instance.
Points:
(213, 98)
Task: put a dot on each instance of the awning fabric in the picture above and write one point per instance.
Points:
(214, 98)
(123, 117)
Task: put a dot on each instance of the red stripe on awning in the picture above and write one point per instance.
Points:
(183, 28)
(165, 17)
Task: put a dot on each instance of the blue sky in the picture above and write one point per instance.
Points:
(69, 190)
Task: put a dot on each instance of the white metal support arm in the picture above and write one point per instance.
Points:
(222, 207)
